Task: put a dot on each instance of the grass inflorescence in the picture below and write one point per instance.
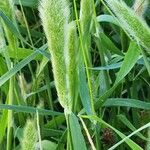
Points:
(79, 70)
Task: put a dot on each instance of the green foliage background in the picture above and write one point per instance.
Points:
(102, 66)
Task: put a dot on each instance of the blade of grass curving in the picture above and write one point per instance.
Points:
(16, 68)
(130, 143)
(128, 137)
(19, 66)
(125, 102)
(84, 57)
(22, 53)
(127, 123)
(107, 18)
(12, 27)
(28, 109)
(117, 65)
(130, 60)
(43, 88)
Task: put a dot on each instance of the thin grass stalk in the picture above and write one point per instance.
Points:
(47, 80)
(70, 54)
(69, 138)
(38, 130)
(7, 8)
(29, 35)
(10, 115)
(84, 57)
(148, 143)
(26, 24)
(88, 134)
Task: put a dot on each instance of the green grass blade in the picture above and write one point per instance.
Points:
(108, 67)
(107, 43)
(21, 53)
(131, 143)
(127, 137)
(125, 102)
(127, 123)
(18, 67)
(3, 122)
(107, 18)
(28, 109)
(28, 3)
(76, 134)
(130, 60)
(84, 93)
(129, 21)
(12, 27)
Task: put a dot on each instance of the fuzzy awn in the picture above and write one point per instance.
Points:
(140, 6)
(131, 22)
(70, 52)
(55, 16)
(85, 15)
(61, 37)
(30, 136)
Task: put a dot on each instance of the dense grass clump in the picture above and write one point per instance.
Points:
(74, 75)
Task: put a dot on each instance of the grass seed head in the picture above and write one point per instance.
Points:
(131, 22)
(140, 6)
(55, 17)
(30, 136)
(70, 61)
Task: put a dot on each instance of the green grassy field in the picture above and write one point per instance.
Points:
(74, 75)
